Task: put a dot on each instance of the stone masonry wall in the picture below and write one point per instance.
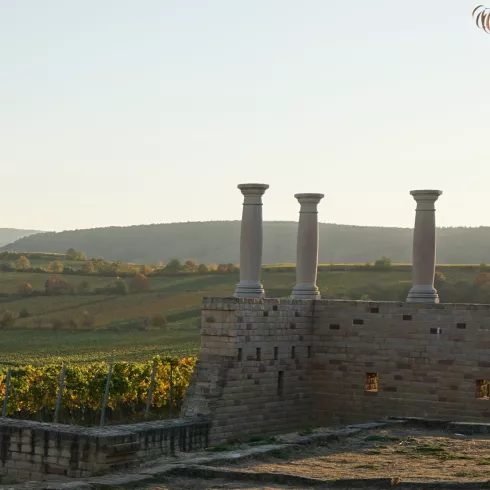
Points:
(34, 450)
(426, 361)
(254, 369)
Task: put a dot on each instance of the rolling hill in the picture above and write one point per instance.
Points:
(218, 242)
(8, 235)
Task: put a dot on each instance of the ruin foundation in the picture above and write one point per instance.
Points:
(270, 365)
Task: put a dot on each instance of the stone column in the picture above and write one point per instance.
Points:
(251, 242)
(424, 248)
(307, 247)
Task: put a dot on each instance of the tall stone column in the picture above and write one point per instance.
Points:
(424, 248)
(251, 242)
(307, 247)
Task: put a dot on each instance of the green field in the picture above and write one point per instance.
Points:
(122, 328)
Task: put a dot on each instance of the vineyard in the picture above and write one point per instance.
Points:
(122, 392)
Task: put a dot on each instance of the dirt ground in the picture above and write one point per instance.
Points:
(195, 484)
(410, 454)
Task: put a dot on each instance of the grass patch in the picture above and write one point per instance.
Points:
(381, 438)
(430, 449)
(307, 431)
(373, 451)
(220, 448)
(257, 440)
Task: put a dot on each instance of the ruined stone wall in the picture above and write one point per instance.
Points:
(428, 359)
(34, 450)
(255, 366)
(352, 361)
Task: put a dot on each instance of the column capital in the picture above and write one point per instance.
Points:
(253, 192)
(425, 198)
(309, 202)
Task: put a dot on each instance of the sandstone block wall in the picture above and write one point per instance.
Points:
(34, 450)
(254, 369)
(317, 362)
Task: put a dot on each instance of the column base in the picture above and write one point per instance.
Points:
(422, 294)
(249, 289)
(305, 291)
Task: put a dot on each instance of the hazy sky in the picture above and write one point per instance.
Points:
(119, 112)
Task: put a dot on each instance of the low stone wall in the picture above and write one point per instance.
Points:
(35, 450)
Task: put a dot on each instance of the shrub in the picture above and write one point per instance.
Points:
(120, 287)
(24, 313)
(68, 270)
(7, 319)
(146, 269)
(88, 267)
(22, 263)
(55, 266)
(139, 284)
(56, 285)
(7, 267)
(72, 254)
(25, 289)
(203, 269)
(174, 266)
(159, 321)
(383, 263)
(190, 266)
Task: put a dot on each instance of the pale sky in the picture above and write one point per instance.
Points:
(118, 112)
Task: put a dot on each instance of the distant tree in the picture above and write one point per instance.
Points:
(159, 321)
(482, 16)
(7, 267)
(55, 267)
(56, 285)
(190, 266)
(83, 287)
(174, 266)
(22, 263)
(232, 268)
(223, 268)
(25, 289)
(72, 254)
(7, 319)
(88, 267)
(146, 269)
(383, 263)
(139, 284)
(212, 267)
(203, 269)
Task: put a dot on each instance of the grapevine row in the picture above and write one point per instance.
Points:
(34, 390)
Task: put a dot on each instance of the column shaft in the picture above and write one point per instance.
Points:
(251, 242)
(307, 248)
(424, 248)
